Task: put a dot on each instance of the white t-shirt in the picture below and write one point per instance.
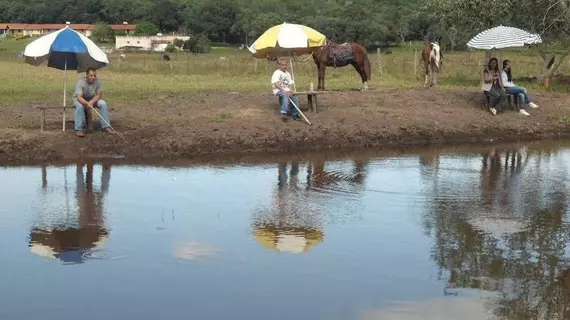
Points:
(284, 78)
(506, 81)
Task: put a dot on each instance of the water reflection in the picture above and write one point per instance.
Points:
(429, 235)
(510, 235)
(294, 223)
(70, 237)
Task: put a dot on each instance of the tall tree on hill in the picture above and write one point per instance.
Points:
(165, 15)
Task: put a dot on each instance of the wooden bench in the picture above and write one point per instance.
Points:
(510, 99)
(88, 116)
(312, 99)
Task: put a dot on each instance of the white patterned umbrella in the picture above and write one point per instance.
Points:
(503, 37)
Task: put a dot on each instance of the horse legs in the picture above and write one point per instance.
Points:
(433, 76)
(321, 70)
(427, 74)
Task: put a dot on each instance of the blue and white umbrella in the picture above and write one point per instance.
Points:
(65, 49)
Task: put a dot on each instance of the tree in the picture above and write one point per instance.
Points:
(102, 33)
(197, 44)
(179, 43)
(549, 18)
(146, 28)
(165, 15)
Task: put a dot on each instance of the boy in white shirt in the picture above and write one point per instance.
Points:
(281, 80)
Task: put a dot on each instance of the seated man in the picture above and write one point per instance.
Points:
(88, 94)
(281, 80)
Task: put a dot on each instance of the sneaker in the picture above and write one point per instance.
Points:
(79, 134)
(296, 117)
(493, 111)
(533, 105)
(108, 130)
(283, 117)
(524, 113)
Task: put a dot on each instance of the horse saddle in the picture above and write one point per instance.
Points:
(341, 54)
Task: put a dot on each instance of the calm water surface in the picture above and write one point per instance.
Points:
(480, 233)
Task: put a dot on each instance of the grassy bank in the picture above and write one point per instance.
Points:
(143, 75)
(221, 103)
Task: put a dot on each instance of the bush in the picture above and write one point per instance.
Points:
(198, 44)
(170, 48)
(179, 43)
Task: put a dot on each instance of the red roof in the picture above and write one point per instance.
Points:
(57, 26)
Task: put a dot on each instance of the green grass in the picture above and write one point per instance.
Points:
(221, 117)
(144, 75)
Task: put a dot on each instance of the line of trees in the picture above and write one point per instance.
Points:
(371, 22)
(374, 23)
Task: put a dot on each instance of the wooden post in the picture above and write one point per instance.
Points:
(42, 119)
(44, 177)
(415, 63)
(379, 61)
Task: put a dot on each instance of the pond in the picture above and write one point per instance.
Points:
(461, 232)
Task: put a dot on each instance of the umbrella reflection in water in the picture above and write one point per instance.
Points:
(293, 225)
(72, 240)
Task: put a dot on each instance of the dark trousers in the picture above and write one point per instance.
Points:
(497, 97)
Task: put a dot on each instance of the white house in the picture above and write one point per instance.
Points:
(147, 43)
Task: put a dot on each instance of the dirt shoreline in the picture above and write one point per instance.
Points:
(216, 123)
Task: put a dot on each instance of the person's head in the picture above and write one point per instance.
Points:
(283, 63)
(91, 75)
(493, 64)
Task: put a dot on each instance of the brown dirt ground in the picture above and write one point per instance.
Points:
(187, 125)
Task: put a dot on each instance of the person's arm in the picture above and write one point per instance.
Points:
(98, 95)
(487, 76)
(79, 93)
(505, 78)
(501, 84)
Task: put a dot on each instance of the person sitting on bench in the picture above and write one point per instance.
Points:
(493, 86)
(88, 94)
(281, 80)
(513, 89)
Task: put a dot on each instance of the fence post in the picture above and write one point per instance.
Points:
(379, 60)
(415, 63)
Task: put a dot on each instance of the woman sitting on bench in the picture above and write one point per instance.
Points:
(493, 86)
(513, 89)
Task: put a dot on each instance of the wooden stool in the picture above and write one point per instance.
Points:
(88, 116)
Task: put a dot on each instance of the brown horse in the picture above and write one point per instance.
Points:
(432, 58)
(340, 55)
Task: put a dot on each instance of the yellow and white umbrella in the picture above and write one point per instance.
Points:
(287, 39)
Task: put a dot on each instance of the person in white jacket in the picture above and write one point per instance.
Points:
(513, 89)
(281, 81)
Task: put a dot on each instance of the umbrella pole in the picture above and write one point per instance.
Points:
(292, 73)
(64, 91)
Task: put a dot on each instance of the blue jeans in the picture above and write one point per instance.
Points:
(80, 114)
(286, 105)
(521, 93)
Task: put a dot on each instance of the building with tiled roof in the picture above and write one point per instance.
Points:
(36, 29)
